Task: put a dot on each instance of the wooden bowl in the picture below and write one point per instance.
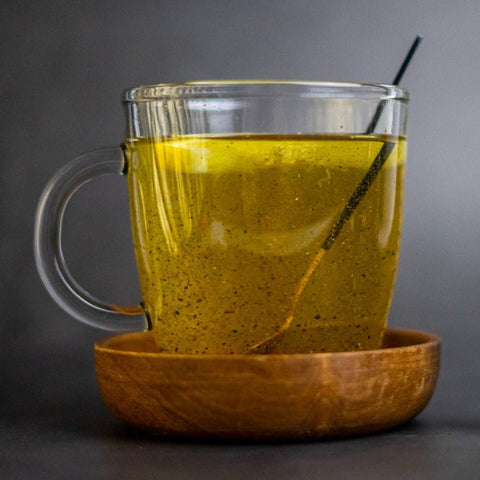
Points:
(277, 396)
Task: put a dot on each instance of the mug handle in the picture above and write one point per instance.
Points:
(48, 244)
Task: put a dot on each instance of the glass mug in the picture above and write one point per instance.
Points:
(266, 215)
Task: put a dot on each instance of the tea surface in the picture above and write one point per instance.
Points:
(225, 229)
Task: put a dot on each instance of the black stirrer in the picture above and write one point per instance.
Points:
(396, 81)
(379, 160)
(362, 188)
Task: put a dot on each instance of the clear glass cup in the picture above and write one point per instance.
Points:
(266, 215)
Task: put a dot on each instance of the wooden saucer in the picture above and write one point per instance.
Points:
(276, 396)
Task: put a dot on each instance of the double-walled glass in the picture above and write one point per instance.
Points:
(266, 216)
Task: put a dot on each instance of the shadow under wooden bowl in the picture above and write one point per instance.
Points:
(276, 396)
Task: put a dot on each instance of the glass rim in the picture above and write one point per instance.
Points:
(235, 88)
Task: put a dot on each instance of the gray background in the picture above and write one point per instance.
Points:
(63, 68)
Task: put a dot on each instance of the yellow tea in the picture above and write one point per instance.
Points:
(227, 232)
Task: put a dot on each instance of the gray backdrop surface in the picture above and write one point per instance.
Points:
(64, 66)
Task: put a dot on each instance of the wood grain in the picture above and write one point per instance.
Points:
(275, 396)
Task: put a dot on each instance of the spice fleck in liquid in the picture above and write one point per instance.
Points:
(225, 229)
